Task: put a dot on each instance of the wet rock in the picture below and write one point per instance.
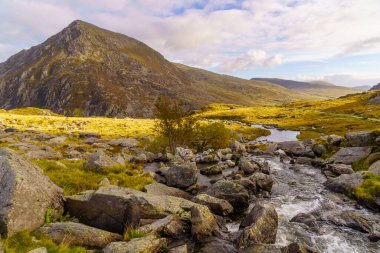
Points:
(247, 166)
(216, 205)
(360, 139)
(161, 189)
(213, 170)
(296, 148)
(147, 244)
(339, 169)
(181, 176)
(214, 244)
(350, 155)
(26, 194)
(345, 183)
(263, 182)
(319, 150)
(184, 153)
(354, 220)
(248, 184)
(203, 222)
(237, 147)
(128, 143)
(259, 226)
(234, 193)
(307, 219)
(375, 168)
(99, 160)
(170, 226)
(78, 234)
(297, 248)
(38, 250)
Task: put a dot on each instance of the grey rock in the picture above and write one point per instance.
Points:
(170, 227)
(375, 168)
(247, 166)
(38, 250)
(319, 149)
(360, 139)
(345, 183)
(26, 194)
(181, 176)
(92, 140)
(233, 192)
(89, 135)
(217, 206)
(296, 148)
(128, 143)
(185, 153)
(78, 234)
(44, 154)
(213, 170)
(262, 248)
(339, 169)
(161, 189)
(203, 223)
(237, 147)
(334, 140)
(306, 219)
(214, 244)
(259, 226)
(147, 244)
(263, 182)
(56, 140)
(179, 249)
(377, 141)
(350, 155)
(99, 160)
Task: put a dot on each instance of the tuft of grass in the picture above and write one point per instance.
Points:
(74, 177)
(369, 188)
(26, 241)
(365, 163)
(131, 233)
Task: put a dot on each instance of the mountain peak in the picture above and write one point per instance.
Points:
(376, 87)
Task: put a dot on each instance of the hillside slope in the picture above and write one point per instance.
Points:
(85, 70)
(316, 88)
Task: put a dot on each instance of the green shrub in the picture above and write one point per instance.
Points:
(369, 188)
(131, 233)
(215, 135)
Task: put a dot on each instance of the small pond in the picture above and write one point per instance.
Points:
(276, 135)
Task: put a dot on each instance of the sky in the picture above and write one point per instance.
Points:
(336, 41)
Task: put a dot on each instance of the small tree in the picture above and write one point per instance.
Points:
(215, 135)
(174, 122)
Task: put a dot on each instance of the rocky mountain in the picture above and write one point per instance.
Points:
(376, 87)
(315, 88)
(85, 70)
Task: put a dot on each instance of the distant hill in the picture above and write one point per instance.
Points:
(314, 88)
(362, 87)
(376, 87)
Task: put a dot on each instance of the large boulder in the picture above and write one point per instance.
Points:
(112, 208)
(171, 226)
(99, 160)
(307, 219)
(259, 226)
(296, 148)
(217, 206)
(181, 176)
(185, 153)
(147, 244)
(78, 234)
(213, 169)
(214, 244)
(233, 192)
(350, 155)
(26, 195)
(237, 147)
(339, 169)
(375, 168)
(263, 181)
(360, 139)
(203, 222)
(247, 166)
(345, 183)
(161, 189)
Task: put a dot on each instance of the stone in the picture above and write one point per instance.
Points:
(319, 149)
(179, 249)
(170, 227)
(147, 244)
(354, 220)
(44, 154)
(350, 155)
(261, 248)
(237, 147)
(89, 135)
(38, 250)
(344, 183)
(119, 159)
(263, 182)
(259, 226)
(217, 206)
(140, 158)
(375, 168)
(339, 169)
(214, 244)
(213, 170)
(360, 139)
(57, 140)
(247, 166)
(334, 140)
(233, 192)
(128, 143)
(78, 234)
(92, 140)
(181, 176)
(185, 153)
(307, 219)
(99, 160)
(377, 141)
(203, 222)
(295, 247)
(26, 195)
(296, 148)
(112, 208)
(161, 189)
(208, 156)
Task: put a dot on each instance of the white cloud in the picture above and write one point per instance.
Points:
(345, 79)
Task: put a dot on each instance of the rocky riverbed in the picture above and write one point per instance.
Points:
(292, 197)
